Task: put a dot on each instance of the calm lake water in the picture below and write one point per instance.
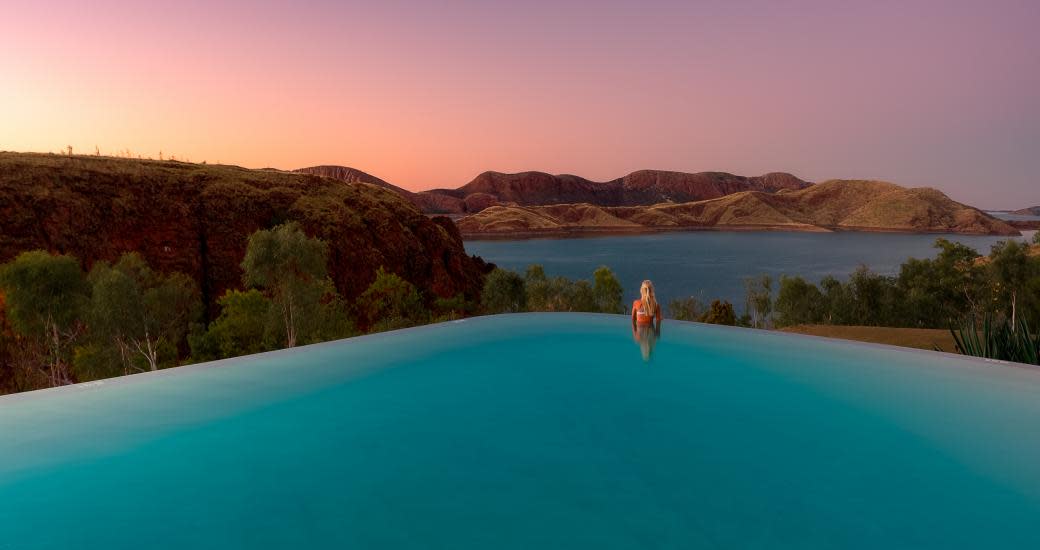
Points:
(714, 264)
(1014, 217)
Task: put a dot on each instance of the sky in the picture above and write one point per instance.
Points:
(429, 94)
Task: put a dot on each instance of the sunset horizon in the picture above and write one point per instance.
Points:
(927, 94)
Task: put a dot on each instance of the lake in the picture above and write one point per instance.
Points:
(1008, 216)
(714, 264)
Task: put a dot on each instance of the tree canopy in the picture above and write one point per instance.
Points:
(142, 314)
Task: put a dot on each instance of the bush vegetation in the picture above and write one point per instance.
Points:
(508, 292)
(957, 284)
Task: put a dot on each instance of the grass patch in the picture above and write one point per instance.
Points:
(921, 338)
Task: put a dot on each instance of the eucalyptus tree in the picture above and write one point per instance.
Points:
(45, 298)
(759, 300)
(143, 313)
(291, 269)
(1011, 269)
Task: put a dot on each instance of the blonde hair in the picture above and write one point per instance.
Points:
(647, 298)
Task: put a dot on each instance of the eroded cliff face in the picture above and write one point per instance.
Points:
(197, 219)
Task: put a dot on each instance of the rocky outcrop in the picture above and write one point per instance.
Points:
(196, 219)
(353, 175)
(851, 205)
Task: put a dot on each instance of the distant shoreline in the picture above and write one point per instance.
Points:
(582, 232)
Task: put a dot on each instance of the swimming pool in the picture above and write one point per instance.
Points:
(534, 431)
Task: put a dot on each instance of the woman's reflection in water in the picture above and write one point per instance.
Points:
(646, 336)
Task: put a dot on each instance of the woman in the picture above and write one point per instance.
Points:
(645, 311)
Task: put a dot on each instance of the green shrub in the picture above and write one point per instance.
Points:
(607, 291)
(391, 302)
(503, 292)
(246, 325)
(720, 313)
(685, 309)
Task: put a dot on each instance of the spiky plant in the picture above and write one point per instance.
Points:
(998, 339)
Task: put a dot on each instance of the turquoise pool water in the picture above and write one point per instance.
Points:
(534, 431)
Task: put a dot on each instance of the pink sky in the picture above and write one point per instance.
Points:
(429, 94)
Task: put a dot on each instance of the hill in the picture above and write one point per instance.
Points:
(196, 219)
(854, 205)
(1031, 211)
(353, 175)
(642, 188)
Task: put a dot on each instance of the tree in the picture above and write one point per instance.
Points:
(961, 278)
(798, 302)
(873, 299)
(607, 291)
(837, 306)
(45, 298)
(291, 268)
(935, 291)
(391, 302)
(503, 292)
(720, 313)
(141, 312)
(1011, 269)
(536, 288)
(576, 296)
(685, 309)
(759, 299)
(563, 294)
(245, 325)
(1036, 237)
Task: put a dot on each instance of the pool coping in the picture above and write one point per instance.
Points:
(184, 369)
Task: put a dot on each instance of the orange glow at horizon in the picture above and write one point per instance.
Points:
(426, 97)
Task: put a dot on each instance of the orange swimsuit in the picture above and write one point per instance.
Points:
(640, 315)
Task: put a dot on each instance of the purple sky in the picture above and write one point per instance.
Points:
(941, 94)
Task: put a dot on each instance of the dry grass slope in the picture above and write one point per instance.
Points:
(920, 338)
(832, 205)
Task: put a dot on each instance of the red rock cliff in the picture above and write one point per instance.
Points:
(196, 219)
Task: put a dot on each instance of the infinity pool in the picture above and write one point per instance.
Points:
(534, 431)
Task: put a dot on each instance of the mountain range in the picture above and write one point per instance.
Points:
(536, 203)
(849, 205)
(641, 188)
